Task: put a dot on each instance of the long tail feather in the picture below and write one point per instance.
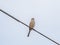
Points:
(28, 33)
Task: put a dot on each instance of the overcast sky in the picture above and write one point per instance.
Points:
(47, 21)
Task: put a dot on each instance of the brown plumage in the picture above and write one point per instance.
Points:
(31, 25)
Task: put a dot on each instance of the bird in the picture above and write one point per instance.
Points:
(31, 26)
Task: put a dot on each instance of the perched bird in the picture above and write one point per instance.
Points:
(31, 25)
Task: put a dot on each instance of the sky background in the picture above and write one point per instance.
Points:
(47, 21)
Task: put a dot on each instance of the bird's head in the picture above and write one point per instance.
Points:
(32, 18)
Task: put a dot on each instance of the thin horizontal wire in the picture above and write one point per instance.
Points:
(28, 27)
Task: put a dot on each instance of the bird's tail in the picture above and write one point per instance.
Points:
(28, 33)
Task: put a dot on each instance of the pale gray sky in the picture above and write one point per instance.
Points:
(47, 21)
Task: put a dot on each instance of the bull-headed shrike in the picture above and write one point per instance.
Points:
(31, 25)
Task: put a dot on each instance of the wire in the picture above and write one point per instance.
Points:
(29, 27)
